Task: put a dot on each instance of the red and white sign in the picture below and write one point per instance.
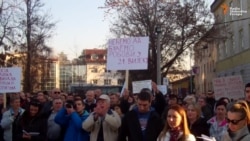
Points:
(10, 80)
(128, 53)
(231, 87)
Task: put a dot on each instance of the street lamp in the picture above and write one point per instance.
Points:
(158, 32)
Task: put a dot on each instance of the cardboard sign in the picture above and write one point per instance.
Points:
(138, 85)
(231, 87)
(163, 89)
(128, 53)
(10, 80)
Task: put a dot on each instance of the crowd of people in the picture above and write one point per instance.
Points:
(145, 116)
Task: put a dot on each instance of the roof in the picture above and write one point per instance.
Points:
(95, 55)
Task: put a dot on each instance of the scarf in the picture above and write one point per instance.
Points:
(174, 133)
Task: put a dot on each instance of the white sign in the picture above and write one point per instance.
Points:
(10, 80)
(231, 87)
(163, 89)
(138, 85)
(165, 81)
(128, 53)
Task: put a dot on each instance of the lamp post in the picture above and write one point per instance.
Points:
(158, 32)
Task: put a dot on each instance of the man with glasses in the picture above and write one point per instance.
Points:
(55, 93)
(54, 129)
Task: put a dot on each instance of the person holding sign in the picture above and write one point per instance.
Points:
(141, 123)
(11, 118)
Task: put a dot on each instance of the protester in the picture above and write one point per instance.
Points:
(176, 126)
(103, 123)
(46, 105)
(238, 117)
(159, 102)
(11, 118)
(32, 126)
(114, 100)
(71, 117)
(23, 100)
(97, 92)
(90, 101)
(197, 125)
(54, 130)
(218, 123)
(124, 101)
(247, 93)
(141, 123)
(206, 109)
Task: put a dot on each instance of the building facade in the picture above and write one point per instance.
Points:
(205, 58)
(96, 72)
(227, 43)
(234, 51)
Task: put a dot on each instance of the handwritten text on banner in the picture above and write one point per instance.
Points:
(231, 87)
(10, 80)
(128, 53)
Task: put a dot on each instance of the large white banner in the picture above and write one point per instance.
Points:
(10, 80)
(128, 53)
(231, 87)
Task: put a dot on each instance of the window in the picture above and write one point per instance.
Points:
(107, 81)
(248, 4)
(241, 39)
(221, 55)
(231, 5)
(94, 70)
(94, 81)
(107, 70)
(94, 57)
(233, 73)
(233, 44)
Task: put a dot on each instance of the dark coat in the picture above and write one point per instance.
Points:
(33, 124)
(159, 103)
(131, 127)
(199, 127)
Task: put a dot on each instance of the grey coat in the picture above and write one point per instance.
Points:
(241, 135)
(6, 124)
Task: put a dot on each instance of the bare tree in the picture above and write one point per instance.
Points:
(182, 25)
(7, 27)
(26, 30)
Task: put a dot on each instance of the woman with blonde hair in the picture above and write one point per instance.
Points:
(197, 124)
(238, 117)
(176, 126)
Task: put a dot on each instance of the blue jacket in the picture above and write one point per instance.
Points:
(73, 125)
